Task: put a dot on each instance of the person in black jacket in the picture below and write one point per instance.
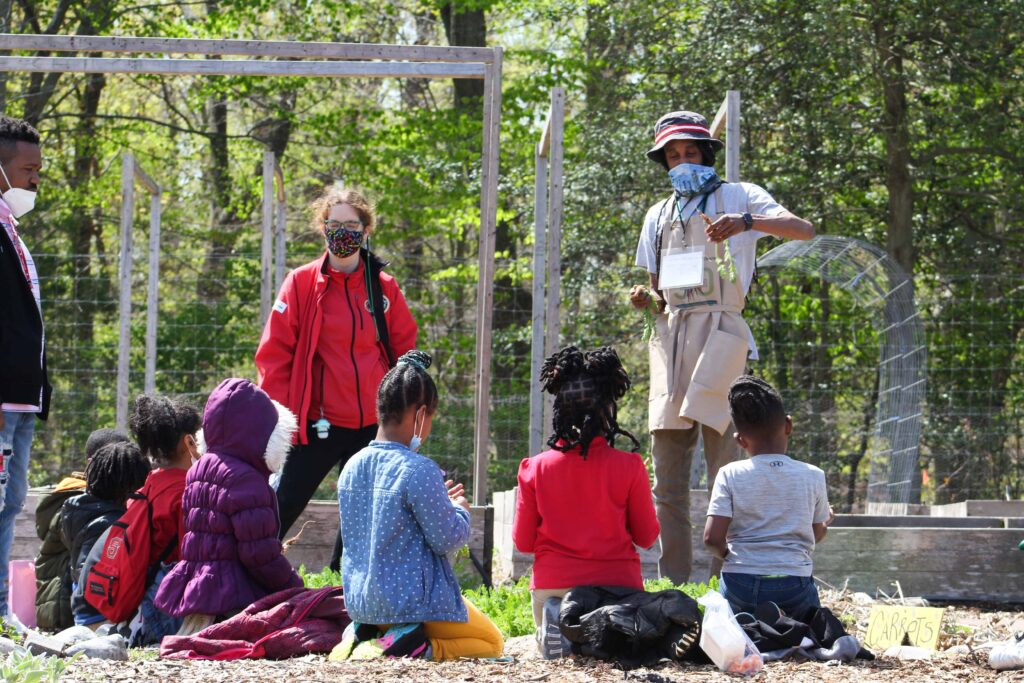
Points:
(114, 472)
(53, 563)
(24, 389)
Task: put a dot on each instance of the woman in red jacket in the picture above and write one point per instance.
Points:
(337, 326)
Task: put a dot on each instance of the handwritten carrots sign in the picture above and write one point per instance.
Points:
(896, 625)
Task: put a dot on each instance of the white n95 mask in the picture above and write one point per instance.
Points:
(21, 201)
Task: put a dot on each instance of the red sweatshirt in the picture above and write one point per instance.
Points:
(580, 518)
(164, 488)
(321, 333)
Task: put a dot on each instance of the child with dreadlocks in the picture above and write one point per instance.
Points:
(399, 520)
(766, 512)
(583, 504)
(54, 580)
(117, 470)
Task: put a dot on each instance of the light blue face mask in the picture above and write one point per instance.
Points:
(415, 442)
(692, 179)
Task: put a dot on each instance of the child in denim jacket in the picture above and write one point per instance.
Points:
(399, 520)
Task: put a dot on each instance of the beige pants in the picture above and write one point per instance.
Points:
(673, 453)
(539, 596)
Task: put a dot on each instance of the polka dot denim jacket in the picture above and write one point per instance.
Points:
(397, 526)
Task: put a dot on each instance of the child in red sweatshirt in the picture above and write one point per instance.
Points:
(583, 505)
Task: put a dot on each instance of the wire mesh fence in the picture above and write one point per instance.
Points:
(819, 344)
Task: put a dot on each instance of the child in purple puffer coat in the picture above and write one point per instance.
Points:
(231, 555)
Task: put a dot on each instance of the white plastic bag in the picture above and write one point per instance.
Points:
(724, 641)
(1008, 655)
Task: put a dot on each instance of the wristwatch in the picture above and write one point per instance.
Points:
(748, 221)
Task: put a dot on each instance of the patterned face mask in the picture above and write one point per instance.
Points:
(341, 241)
(693, 179)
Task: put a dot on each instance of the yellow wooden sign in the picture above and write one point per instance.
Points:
(896, 625)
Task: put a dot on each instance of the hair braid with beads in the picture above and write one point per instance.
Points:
(586, 387)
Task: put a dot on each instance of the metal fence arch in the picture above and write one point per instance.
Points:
(886, 292)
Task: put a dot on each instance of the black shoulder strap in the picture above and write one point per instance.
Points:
(166, 552)
(376, 295)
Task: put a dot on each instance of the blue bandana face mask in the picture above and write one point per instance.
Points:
(692, 179)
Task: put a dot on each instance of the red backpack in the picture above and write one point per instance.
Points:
(117, 582)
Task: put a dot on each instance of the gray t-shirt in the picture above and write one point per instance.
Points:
(772, 501)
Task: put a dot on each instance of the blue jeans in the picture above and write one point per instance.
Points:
(82, 612)
(793, 594)
(155, 624)
(18, 430)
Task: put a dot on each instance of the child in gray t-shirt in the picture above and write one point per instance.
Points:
(767, 512)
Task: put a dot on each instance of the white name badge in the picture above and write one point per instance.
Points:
(682, 268)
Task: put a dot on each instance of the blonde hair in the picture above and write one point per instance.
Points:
(337, 194)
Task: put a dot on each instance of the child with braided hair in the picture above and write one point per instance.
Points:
(583, 505)
(117, 470)
(399, 520)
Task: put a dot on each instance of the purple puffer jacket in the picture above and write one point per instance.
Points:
(230, 555)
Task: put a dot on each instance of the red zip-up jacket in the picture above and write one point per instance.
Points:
(292, 335)
(164, 489)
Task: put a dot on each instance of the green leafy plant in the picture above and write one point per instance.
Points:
(650, 320)
(8, 631)
(694, 590)
(143, 654)
(508, 606)
(325, 577)
(27, 668)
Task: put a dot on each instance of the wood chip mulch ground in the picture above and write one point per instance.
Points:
(962, 658)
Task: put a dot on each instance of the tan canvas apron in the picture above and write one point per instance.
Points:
(700, 343)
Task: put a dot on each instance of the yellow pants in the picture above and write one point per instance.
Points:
(476, 638)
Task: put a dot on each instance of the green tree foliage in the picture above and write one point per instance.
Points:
(896, 123)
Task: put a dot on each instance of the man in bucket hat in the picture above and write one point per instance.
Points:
(698, 246)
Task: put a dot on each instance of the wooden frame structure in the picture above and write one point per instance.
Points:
(273, 241)
(272, 255)
(547, 259)
(324, 60)
(728, 118)
(130, 173)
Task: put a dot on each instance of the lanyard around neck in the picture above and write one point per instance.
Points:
(679, 209)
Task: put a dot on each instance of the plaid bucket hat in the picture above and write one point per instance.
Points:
(680, 125)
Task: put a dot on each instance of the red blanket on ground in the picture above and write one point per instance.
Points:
(292, 622)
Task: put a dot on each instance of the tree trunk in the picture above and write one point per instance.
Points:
(85, 226)
(465, 27)
(416, 91)
(896, 132)
(223, 219)
(865, 440)
(416, 95)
